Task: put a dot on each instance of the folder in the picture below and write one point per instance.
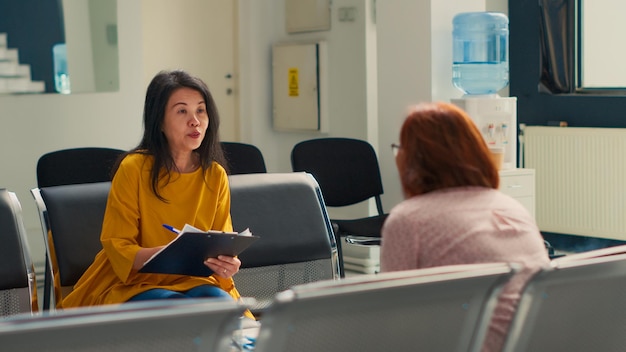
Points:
(186, 254)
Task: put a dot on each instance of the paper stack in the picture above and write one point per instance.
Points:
(361, 258)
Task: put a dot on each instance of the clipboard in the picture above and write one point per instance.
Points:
(186, 254)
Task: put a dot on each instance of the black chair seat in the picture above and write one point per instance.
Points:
(366, 227)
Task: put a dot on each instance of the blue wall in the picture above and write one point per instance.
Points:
(535, 108)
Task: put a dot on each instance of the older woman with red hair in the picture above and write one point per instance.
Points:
(453, 212)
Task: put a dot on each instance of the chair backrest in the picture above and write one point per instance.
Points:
(575, 304)
(72, 214)
(596, 253)
(18, 288)
(243, 158)
(172, 325)
(67, 167)
(347, 169)
(296, 242)
(436, 309)
(76, 165)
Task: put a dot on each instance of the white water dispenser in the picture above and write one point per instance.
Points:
(480, 69)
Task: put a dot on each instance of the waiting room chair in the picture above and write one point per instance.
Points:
(71, 217)
(436, 309)
(243, 158)
(296, 243)
(18, 287)
(76, 165)
(575, 304)
(348, 173)
(73, 166)
(172, 325)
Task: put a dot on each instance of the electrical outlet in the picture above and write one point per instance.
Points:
(347, 14)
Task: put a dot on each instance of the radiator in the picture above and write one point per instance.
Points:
(580, 179)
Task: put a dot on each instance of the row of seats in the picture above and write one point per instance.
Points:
(437, 309)
(346, 169)
(574, 304)
(285, 209)
(580, 294)
(94, 164)
(319, 157)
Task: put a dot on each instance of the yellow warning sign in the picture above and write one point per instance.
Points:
(294, 90)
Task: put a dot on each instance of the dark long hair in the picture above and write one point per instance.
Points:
(154, 142)
(441, 147)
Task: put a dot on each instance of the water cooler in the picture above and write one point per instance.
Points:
(61, 74)
(480, 69)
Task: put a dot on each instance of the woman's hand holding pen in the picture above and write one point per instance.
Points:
(223, 266)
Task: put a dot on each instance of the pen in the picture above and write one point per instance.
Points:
(171, 228)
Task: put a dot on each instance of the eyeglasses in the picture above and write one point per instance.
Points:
(395, 148)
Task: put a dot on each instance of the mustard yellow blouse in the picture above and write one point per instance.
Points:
(133, 219)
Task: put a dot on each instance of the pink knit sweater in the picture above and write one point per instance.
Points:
(463, 226)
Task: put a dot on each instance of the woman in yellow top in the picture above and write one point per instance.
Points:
(174, 176)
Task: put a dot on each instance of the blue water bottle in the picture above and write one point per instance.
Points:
(61, 75)
(480, 52)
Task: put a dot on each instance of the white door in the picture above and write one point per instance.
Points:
(199, 36)
(222, 74)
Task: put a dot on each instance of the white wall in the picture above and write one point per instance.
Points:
(414, 65)
(103, 18)
(93, 61)
(32, 125)
(368, 93)
(80, 55)
(351, 78)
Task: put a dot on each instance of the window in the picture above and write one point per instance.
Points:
(579, 98)
(601, 36)
(578, 46)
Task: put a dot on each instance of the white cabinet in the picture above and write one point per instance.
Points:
(520, 184)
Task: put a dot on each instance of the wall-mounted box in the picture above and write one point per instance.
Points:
(307, 15)
(300, 89)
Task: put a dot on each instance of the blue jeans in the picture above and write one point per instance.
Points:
(196, 292)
